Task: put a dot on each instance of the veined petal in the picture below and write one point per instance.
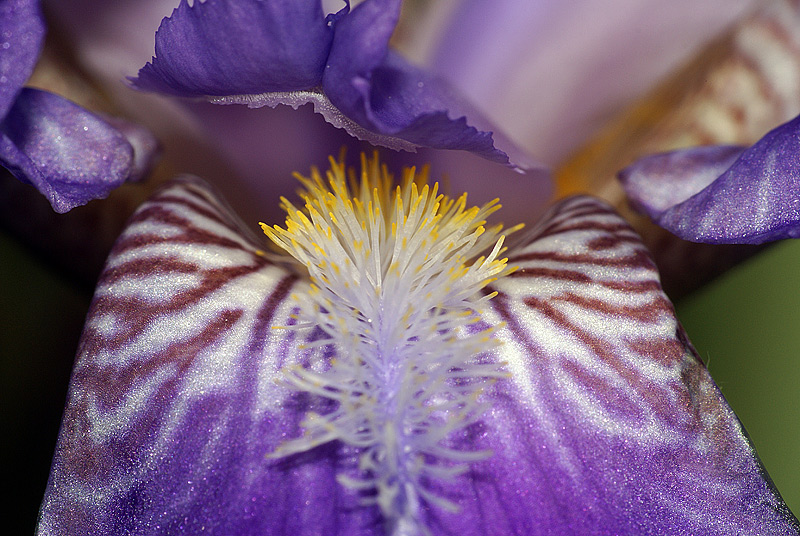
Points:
(173, 403)
(21, 35)
(220, 47)
(69, 154)
(723, 194)
(388, 96)
(609, 424)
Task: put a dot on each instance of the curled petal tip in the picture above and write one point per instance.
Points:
(146, 148)
(723, 194)
(265, 54)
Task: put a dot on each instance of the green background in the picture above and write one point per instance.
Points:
(746, 327)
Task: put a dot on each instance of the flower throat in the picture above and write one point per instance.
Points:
(396, 289)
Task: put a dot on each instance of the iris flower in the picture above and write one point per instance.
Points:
(66, 152)
(389, 379)
(601, 419)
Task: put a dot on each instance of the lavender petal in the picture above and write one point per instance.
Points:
(721, 196)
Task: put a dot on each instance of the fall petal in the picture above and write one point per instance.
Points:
(69, 154)
(723, 194)
(609, 423)
(173, 403)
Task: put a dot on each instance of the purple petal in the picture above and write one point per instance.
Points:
(724, 194)
(656, 183)
(220, 47)
(386, 95)
(69, 154)
(360, 45)
(222, 51)
(609, 423)
(173, 403)
(21, 35)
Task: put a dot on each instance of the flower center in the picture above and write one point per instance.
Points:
(395, 286)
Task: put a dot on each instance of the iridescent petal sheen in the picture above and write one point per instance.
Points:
(608, 424)
(69, 154)
(21, 35)
(723, 195)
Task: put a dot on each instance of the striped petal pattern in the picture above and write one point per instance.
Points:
(609, 424)
(172, 405)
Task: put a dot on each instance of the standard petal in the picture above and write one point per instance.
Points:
(718, 196)
(69, 154)
(242, 47)
(609, 423)
(393, 100)
(173, 403)
(553, 73)
(21, 35)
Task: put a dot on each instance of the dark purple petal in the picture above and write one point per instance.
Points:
(21, 34)
(609, 423)
(241, 47)
(173, 403)
(264, 54)
(360, 45)
(69, 154)
(386, 95)
(720, 195)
